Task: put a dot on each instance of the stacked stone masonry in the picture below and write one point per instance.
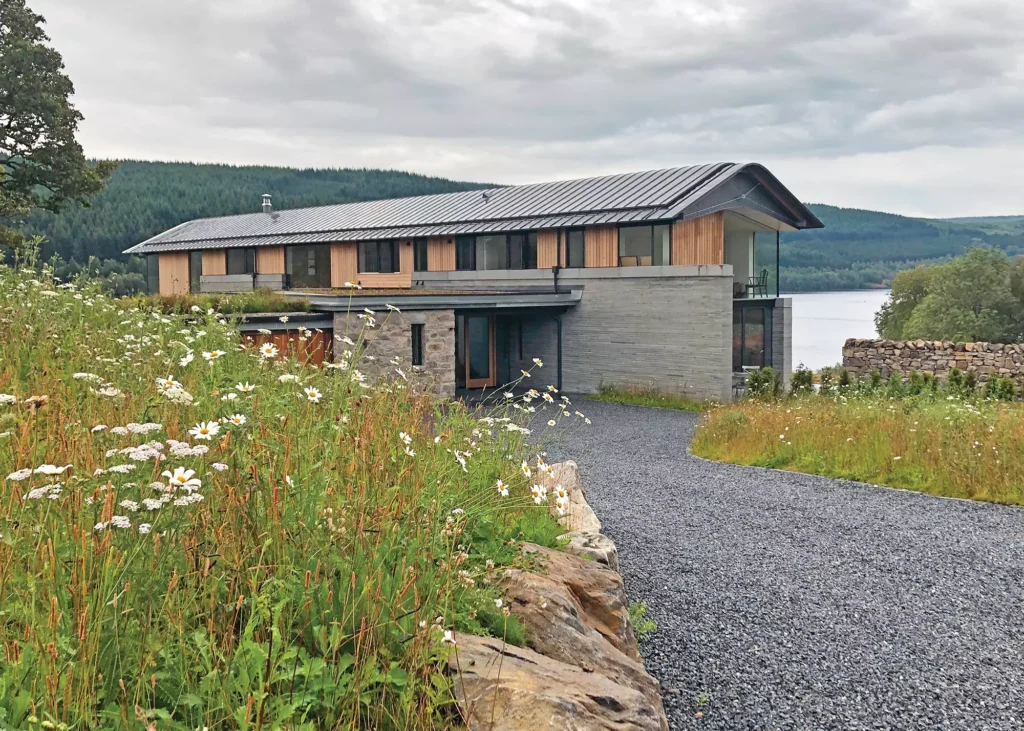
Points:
(391, 338)
(937, 358)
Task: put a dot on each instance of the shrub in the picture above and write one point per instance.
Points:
(827, 383)
(875, 381)
(1000, 388)
(764, 383)
(916, 384)
(802, 380)
(895, 389)
(843, 379)
(956, 383)
(643, 627)
(970, 383)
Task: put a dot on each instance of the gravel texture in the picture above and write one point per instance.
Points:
(788, 601)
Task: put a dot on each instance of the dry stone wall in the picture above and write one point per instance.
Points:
(987, 360)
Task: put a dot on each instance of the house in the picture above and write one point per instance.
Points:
(666, 279)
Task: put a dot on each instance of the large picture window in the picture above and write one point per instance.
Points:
(751, 337)
(241, 261)
(522, 251)
(645, 245)
(378, 257)
(465, 253)
(308, 266)
(491, 252)
(195, 270)
(153, 273)
(496, 251)
(575, 249)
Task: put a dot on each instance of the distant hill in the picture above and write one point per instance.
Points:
(860, 249)
(856, 249)
(144, 198)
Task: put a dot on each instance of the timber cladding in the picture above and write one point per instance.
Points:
(699, 240)
(441, 254)
(601, 247)
(174, 277)
(547, 249)
(215, 263)
(269, 260)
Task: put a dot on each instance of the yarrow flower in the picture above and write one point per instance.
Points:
(219, 466)
(288, 378)
(205, 430)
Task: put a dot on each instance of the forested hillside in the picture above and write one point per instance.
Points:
(144, 198)
(859, 249)
(856, 249)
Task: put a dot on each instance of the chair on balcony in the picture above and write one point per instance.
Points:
(758, 286)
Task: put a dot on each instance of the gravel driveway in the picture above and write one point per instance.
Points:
(788, 601)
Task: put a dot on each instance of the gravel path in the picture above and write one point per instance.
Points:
(788, 601)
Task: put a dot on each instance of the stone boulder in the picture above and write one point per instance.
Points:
(579, 516)
(505, 688)
(595, 546)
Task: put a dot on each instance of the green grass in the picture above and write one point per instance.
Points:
(306, 580)
(934, 443)
(646, 397)
(260, 300)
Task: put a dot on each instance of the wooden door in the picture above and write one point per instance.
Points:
(478, 347)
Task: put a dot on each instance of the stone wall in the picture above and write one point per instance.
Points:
(392, 338)
(934, 357)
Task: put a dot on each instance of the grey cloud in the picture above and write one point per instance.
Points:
(553, 86)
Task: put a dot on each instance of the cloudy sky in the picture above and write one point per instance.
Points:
(910, 106)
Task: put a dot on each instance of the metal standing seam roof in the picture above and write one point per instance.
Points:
(650, 195)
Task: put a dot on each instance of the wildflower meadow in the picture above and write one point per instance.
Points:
(199, 534)
(950, 439)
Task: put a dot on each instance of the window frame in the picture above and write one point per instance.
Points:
(466, 248)
(378, 244)
(566, 237)
(469, 242)
(195, 270)
(248, 263)
(652, 226)
(416, 334)
(420, 254)
(767, 322)
(323, 275)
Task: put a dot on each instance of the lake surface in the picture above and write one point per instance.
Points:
(822, 321)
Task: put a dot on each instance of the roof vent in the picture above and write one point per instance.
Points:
(267, 207)
(486, 196)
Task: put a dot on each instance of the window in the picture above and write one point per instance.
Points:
(241, 261)
(645, 245)
(465, 253)
(417, 345)
(308, 266)
(491, 252)
(195, 270)
(153, 273)
(575, 249)
(751, 337)
(378, 257)
(419, 255)
(522, 251)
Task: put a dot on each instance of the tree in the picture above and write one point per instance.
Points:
(908, 289)
(42, 166)
(968, 299)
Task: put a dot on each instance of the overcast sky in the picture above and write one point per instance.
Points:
(910, 106)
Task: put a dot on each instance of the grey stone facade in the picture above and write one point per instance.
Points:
(861, 357)
(392, 338)
(669, 328)
(782, 339)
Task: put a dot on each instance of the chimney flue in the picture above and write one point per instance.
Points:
(267, 207)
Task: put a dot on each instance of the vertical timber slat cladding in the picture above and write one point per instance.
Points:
(316, 348)
(215, 263)
(441, 254)
(270, 260)
(602, 246)
(344, 263)
(699, 240)
(174, 278)
(547, 249)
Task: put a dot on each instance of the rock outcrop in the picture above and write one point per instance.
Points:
(581, 669)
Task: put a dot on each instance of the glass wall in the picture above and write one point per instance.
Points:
(766, 259)
(491, 252)
(378, 257)
(575, 249)
(419, 255)
(241, 261)
(308, 267)
(496, 251)
(153, 273)
(465, 253)
(645, 245)
(751, 337)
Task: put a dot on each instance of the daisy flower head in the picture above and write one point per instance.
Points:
(182, 479)
(502, 489)
(539, 493)
(283, 318)
(268, 350)
(406, 438)
(409, 451)
(538, 362)
(213, 355)
(551, 422)
(205, 430)
(237, 419)
(313, 394)
(526, 374)
(167, 384)
(186, 359)
(525, 467)
(549, 398)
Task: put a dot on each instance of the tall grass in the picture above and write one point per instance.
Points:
(335, 531)
(258, 300)
(939, 445)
